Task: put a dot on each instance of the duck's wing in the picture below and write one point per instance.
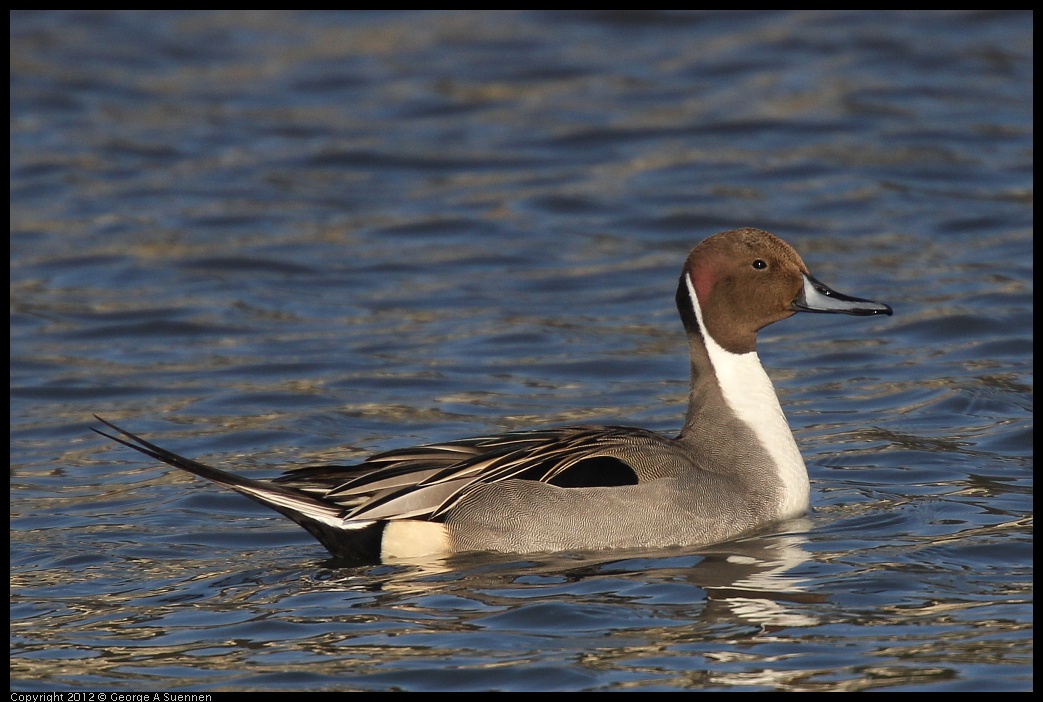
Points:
(424, 482)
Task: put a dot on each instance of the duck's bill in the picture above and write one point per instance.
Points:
(817, 297)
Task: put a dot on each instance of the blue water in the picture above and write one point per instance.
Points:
(270, 240)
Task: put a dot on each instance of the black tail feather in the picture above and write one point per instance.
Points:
(355, 543)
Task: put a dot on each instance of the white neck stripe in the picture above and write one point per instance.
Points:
(748, 391)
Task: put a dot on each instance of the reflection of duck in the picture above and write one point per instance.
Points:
(747, 581)
(734, 466)
(751, 579)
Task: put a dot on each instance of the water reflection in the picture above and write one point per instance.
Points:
(751, 580)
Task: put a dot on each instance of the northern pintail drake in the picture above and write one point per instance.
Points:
(733, 468)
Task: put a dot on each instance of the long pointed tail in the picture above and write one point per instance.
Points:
(323, 520)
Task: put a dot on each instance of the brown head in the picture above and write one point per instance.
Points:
(745, 279)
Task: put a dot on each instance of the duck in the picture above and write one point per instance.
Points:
(733, 468)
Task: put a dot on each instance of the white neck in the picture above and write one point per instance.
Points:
(750, 394)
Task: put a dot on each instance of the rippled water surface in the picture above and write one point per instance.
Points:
(276, 239)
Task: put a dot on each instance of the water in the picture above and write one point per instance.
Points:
(277, 239)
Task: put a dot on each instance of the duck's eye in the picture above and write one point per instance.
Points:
(760, 264)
